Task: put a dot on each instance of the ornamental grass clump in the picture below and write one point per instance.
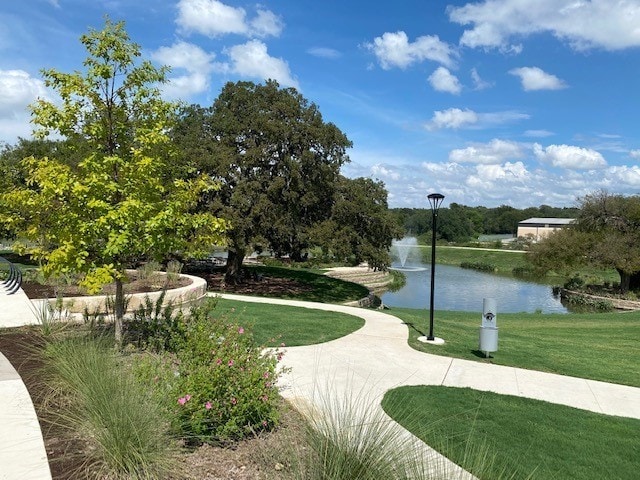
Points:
(127, 434)
(217, 383)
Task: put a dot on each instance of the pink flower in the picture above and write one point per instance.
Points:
(280, 355)
(219, 361)
(185, 399)
(265, 375)
(233, 401)
(208, 405)
(230, 363)
(264, 423)
(241, 330)
(264, 398)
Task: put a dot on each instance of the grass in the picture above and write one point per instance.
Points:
(293, 326)
(598, 346)
(528, 437)
(113, 411)
(318, 287)
(506, 261)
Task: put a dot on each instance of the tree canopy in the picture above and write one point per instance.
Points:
(276, 160)
(360, 228)
(119, 203)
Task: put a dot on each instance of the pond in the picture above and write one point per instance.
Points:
(463, 290)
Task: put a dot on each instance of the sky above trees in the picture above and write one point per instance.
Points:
(518, 102)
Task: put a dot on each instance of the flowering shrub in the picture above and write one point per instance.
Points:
(218, 383)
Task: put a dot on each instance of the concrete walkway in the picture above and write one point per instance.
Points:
(377, 358)
(22, 452)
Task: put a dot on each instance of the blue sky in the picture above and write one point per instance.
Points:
(517, 102)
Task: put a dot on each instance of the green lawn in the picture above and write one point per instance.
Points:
(276, 324)
(524, 436)
(603, 346)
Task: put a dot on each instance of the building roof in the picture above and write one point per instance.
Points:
(542, 221)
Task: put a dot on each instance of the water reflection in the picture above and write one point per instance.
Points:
(462, 289)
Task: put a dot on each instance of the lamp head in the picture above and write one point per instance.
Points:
(435, 200)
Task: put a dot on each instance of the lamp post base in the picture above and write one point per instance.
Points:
(435, 341)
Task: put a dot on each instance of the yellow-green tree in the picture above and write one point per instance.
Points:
(120, 203)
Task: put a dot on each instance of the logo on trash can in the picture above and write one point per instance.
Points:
(489, 316)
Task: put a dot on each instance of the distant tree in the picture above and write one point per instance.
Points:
(360, 228)
(277, 162)
(120, 203)
(605, 235)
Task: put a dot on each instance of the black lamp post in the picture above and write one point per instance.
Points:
(435, 200)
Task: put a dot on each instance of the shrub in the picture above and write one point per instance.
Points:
(218, 384)
(574, 283)
(482, 267)
(155, 326)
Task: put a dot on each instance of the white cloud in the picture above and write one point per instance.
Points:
(478, 82)
(624, 175)
(384, 172)
(395, 50)
(197, 63)
(634, 154)
(443, 80)
(538, 133)
(508, 171)
(214, 18)
(456, 118)
(452, 118)
(18, 90)
(607, 24)
(266, 24)
(534, 78)
(251, 59)
(570, 157)
(495, 152)
(324, 52)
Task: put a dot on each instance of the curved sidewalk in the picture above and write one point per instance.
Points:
(377, 358)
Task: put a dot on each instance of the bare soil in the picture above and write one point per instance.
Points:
(258, 458)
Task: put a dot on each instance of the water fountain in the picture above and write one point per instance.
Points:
(405, 249)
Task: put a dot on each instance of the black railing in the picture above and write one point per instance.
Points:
(12, 284)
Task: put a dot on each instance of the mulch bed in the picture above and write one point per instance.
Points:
(252, 285)
(22, 348)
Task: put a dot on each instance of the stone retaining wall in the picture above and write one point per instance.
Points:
(182, 296)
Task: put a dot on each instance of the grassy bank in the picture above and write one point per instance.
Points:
(526, 438)
(600, 346)
(505, 261)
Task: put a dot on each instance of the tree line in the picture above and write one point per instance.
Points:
(460, 223)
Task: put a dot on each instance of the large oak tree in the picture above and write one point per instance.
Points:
(277, 162)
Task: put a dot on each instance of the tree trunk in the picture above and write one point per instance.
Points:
(634, 282)
(119, 311)
(234, 266)
(625, 281)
